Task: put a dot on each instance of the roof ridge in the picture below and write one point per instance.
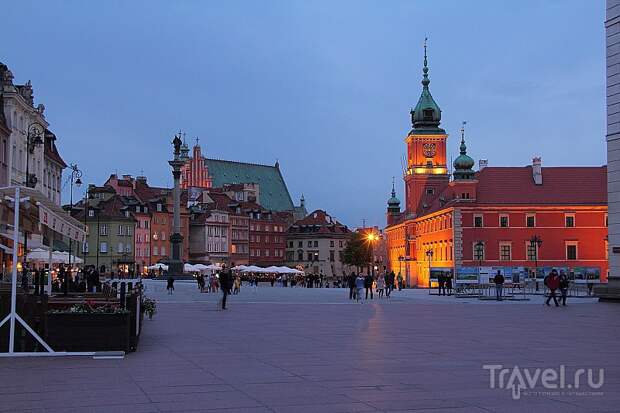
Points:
(239, 162)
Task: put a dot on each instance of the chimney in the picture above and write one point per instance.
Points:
(482, 163)
(537, 170)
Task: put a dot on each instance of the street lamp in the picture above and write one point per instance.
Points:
(429, 254)
(479, 247)
(535, 243)
(372, 237)
(33, 139)
(76, 176)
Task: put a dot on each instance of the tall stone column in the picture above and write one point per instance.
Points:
(175, 265)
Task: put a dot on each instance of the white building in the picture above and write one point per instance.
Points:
(22, 117)
(316, 243)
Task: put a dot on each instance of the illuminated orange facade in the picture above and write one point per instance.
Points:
(490, 217)
(195, 174)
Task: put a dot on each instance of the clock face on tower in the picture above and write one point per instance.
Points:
(429, 150)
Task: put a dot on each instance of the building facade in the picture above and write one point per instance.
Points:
(612, 27)
(316, 244)
(527, 217)
(195, 174)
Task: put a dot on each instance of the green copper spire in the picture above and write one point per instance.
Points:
(426, 115)
(463, 164)
(393, 202)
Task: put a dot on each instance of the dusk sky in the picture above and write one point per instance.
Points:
(325, 87)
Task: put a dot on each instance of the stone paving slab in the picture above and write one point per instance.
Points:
(312, 350)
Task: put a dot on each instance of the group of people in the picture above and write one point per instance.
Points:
(360, 285)
(444, 283)
(554, 281)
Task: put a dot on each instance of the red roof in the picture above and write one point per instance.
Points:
(560, 186)
(321, 222)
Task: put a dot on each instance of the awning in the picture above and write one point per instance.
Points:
(6, 249)
(50, 214)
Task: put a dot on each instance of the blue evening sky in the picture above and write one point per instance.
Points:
(323, 86)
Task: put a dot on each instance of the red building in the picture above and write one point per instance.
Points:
(528, 217)
(267, 235)
(195, 173)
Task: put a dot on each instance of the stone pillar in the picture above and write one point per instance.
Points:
(175, 265)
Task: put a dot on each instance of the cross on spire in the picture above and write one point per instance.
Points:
(197, 140)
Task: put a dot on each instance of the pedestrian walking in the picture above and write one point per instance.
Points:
(449, 284)
(389, 284)
(170, 286)
(237, 285)
(552, 282)
(380, 285)
(441, 282)
(225, 278)
(400, 282)
(368, 285)
(563, 284)
(499, 284)
(351, 283)
(360, 281)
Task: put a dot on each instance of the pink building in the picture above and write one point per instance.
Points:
(195, 174)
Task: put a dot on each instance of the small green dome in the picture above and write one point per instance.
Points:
(393, 201)
(464, 163)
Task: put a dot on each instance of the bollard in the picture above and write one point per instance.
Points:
(123, 294)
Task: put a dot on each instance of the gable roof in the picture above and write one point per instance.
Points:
(320, 222)
(273, 193)
(560, 186)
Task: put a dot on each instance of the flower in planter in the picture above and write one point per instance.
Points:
(149, 306)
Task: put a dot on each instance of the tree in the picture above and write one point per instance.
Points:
(357, 253)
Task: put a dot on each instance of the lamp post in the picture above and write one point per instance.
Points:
(429, 254)
(75, 176)
(535, 243)
(479, 248)
(33, 139)
(372, 237)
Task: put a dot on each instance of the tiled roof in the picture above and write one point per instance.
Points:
(319, 222)
(274, 194)
(560, 186)
(50, 149)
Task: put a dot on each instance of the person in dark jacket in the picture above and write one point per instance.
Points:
(441, 282)
(368, 280)
(225, 278)
(499, 284)
(552, 282)
(351, 284)
(563, 284)
(170, 286)
(449, 284)
(390, 283)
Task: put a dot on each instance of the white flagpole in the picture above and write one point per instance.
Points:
(14, 277)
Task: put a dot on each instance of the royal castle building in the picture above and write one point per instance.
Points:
(524, 219)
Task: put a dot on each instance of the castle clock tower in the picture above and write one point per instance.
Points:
(427, 173)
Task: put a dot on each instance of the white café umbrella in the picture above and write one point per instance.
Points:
(41, 255)
(253, 268)
(189, 268)
(63, 257)
(240, 268)
(274, 269)
(201, 267)
(158, 266)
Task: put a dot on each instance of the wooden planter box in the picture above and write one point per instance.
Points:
(88, 332)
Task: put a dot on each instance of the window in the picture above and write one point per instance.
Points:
(120, 248)
(103, 230)
(128, 230)
(163, 250)
(155, 250)
(478, 221)
(300, 255)
(429, 164)
(103, 247)
(290, 244)
(159, 209)
(299, 244)
(310, 256)
(530, 220)
(340, 244)
(430, 191)
(532, 251)
(571, 250)
(309, 243)
(163, 236)
(91, 213)
(332, 256)
(479, 251)
(266, 253)
(146, 224)
(569, 220)
(316, 244)
(606, 220)
(121, 230)
(331, 243)
(503, 221)
(128, 248)
(505, 252)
